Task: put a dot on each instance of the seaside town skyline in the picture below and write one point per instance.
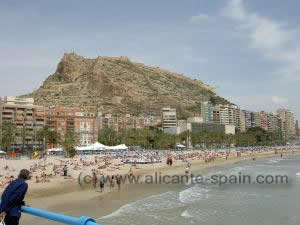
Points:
(88, 125)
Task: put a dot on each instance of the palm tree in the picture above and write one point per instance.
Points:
(40, 136)
(69, 143)
(53, 138)
(22, 133)
(7, 134)
(109, 136)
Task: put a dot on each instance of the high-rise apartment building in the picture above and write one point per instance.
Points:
(169, 118)
(247, 120)
(227, 115)
(257, 120)
(237, 123)
(263, 121)
(207, 112)
(273, 123)
(216, 115)
(242, 121)
(297, 129)
(27, 117)
(288, 123)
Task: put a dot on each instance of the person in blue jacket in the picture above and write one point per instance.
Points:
(13, 198)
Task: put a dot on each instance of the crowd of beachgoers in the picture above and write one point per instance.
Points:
(49, 169)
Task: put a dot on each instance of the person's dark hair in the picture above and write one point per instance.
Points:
(24, 174)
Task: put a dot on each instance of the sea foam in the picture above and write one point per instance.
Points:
(193, 194)
(167, 200)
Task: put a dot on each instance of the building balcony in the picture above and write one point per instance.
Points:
(5, 110)
(20, 111)
(39, 122)
(19, 118)
(7, 116)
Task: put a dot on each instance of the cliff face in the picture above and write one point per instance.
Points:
(117, 85)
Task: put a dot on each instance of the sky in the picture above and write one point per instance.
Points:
(248, 50)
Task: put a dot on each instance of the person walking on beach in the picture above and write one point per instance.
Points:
(94, 179)
(112, 182)
(131, 172)
(102, 182)
(13, 198)
(189, 164)
(187, 170)
(118, 181)
(65, 170)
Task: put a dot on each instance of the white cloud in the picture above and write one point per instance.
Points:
(279, 100)
(267, 34)
(270, 37)
(199, 18)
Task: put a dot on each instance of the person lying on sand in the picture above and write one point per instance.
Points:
(44, 180)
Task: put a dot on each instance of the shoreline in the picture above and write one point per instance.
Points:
(69, 192)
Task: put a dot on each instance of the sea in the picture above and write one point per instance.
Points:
(276, 202)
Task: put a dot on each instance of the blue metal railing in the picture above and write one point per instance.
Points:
(58, 217)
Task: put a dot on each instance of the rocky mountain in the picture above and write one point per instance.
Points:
(117, 85)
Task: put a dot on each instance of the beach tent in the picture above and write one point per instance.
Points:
(98, 146)
(180, 146)
(85, 148)
(118, 147)
(94, 147)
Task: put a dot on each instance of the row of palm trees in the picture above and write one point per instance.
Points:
(9, 134)
(156, 139)
(146, 138)
(255, 137)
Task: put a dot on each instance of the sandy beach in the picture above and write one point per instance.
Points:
(58, 193)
